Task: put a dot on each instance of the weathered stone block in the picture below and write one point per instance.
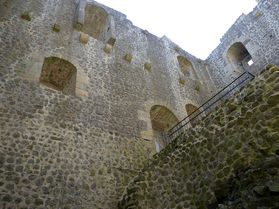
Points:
(147, 135)
(38, 202)
(274, 76)
(7, 198)
(269, 66)
(83, 38)
(111, 41)
(26, 16)
(81, 93)
(29, 77)
(108, 48)
(78, 26)
(258, 14)
(56, 28)
(273, 99)
(82, 78)
(92, 172)
(128, 57)
(147, 66)
(182, 81)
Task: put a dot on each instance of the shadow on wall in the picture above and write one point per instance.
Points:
(187, 68)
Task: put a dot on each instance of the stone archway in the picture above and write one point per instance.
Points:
(162, 119)
(95, 20)
(239, 56)
(59, 74)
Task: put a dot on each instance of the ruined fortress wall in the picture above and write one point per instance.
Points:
(258, 32)
(228, 160)
(80, 150)
(111, 75)
(78, 147)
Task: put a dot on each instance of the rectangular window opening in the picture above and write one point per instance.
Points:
(250, 62)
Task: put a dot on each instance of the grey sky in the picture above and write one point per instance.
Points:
(195, 25)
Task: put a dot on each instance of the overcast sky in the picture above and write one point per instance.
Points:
(195, 25)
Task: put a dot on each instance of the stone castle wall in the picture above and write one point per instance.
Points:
(79, 147)
(258, 31)
(228, 160)
(81, 150)
(120, 84)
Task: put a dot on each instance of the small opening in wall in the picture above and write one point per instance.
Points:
(185, 65)
(250, 62)
(59, 74)
(239, 56)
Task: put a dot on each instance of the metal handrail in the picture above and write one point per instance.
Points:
(179, 126)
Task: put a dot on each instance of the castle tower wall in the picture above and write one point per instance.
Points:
(80, 150)
(75, 122)
(258, 32)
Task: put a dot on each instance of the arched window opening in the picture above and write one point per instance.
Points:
(59, 74)
(190, 108)
(162, 119)
(186, 66)
(95, 20)
(239, 56)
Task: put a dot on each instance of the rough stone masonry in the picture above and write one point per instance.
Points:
(230, 160)
(84, 94)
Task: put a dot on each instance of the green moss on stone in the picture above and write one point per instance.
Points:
(101, 171)
(126, 180)
(26, 16)
(56, 28)
(78, 26)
